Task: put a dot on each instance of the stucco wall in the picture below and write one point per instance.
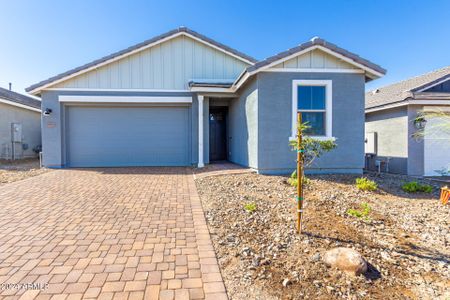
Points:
(243, 127)
(31, 131)
(391, 127)
(274, 115)
(53, 126)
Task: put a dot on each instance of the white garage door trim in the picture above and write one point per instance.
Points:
(125, 99)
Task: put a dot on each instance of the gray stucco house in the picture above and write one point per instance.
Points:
(392, 119)
(183, 99)
(20, 125)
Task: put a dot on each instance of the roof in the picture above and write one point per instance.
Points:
(186, 30)
(372, 70)
(317, 42)
(19, 98)
(403, 90)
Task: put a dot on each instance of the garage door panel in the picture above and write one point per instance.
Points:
(128, 136)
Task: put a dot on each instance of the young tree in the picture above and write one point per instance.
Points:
(312, 148)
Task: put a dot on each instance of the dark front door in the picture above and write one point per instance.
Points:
(217, 134)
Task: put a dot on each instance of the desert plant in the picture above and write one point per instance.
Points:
(415, 187)
(437, 123)
(250, 207)
(293, 179)
(312, 148)
(365, 184)
(362, 213)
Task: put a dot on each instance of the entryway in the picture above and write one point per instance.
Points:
(218, 133)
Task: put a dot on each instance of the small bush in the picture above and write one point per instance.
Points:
(293, 179)
(250, 207)
(415, 187)
(362, 213)
(365, 184)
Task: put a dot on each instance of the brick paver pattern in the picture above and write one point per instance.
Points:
(119, 233)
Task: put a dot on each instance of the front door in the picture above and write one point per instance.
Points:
(217, 134)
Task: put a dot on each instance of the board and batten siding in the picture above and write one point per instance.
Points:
(316, 59)
(169, 65)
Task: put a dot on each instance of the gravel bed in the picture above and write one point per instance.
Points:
(405, 240)
(14, 170)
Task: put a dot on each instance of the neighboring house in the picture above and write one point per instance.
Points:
(20, 125)
(391, 112)
(183, 99)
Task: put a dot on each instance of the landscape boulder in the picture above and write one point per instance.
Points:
(346, 259)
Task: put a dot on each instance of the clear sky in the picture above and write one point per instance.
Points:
(39, 39)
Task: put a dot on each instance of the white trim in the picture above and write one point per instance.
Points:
(211, 89)
(220, 49)
(115, 90)
(19, 105)
(315, 70)
(36, 90)
(328, 84)
(408, 102)
(434, 84)
(124, 99)
(394, 105)
(430, 102)
(324, 49)
(201, 163)
(350, 61)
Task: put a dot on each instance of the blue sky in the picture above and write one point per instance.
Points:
(43, 38)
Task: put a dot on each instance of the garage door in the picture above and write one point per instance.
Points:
(436, 147)
(127, 136)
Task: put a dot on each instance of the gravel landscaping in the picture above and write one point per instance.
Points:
(14, 170)
(405, 239)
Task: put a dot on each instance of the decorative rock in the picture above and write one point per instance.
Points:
(345, 259)
(286, 282)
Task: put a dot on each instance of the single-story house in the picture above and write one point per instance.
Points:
(183, 99)
(20, 125)
(394, 116)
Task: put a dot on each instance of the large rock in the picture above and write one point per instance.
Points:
(346, 259)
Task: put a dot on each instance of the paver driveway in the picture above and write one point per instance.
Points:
(128, 233)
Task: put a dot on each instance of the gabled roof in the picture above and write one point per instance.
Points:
(403, 90)
(319, 43)
(181, 30)
(20, 99)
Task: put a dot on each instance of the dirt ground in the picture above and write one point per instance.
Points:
(14, 170)
(406, 240)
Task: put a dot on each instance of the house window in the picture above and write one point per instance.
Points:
(313, 99)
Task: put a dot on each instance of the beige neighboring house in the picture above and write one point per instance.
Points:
(20, 125)
(392, 121)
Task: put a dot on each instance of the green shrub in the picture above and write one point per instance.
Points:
(293, 179)
(415, 187)
(250, 207)
(362, 213)
(365, 184)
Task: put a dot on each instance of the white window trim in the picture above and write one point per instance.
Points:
(328, 84)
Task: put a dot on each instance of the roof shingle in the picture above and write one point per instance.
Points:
(19, 98)
(403, 90)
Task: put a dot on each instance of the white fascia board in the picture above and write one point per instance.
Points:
(314, 70)
(37, 90)
(434, 84)
(124, 99)
(19, 105)
(199, 89)
(409, 102)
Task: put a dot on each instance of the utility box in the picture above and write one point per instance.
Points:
(370, 145)
(16, 132)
